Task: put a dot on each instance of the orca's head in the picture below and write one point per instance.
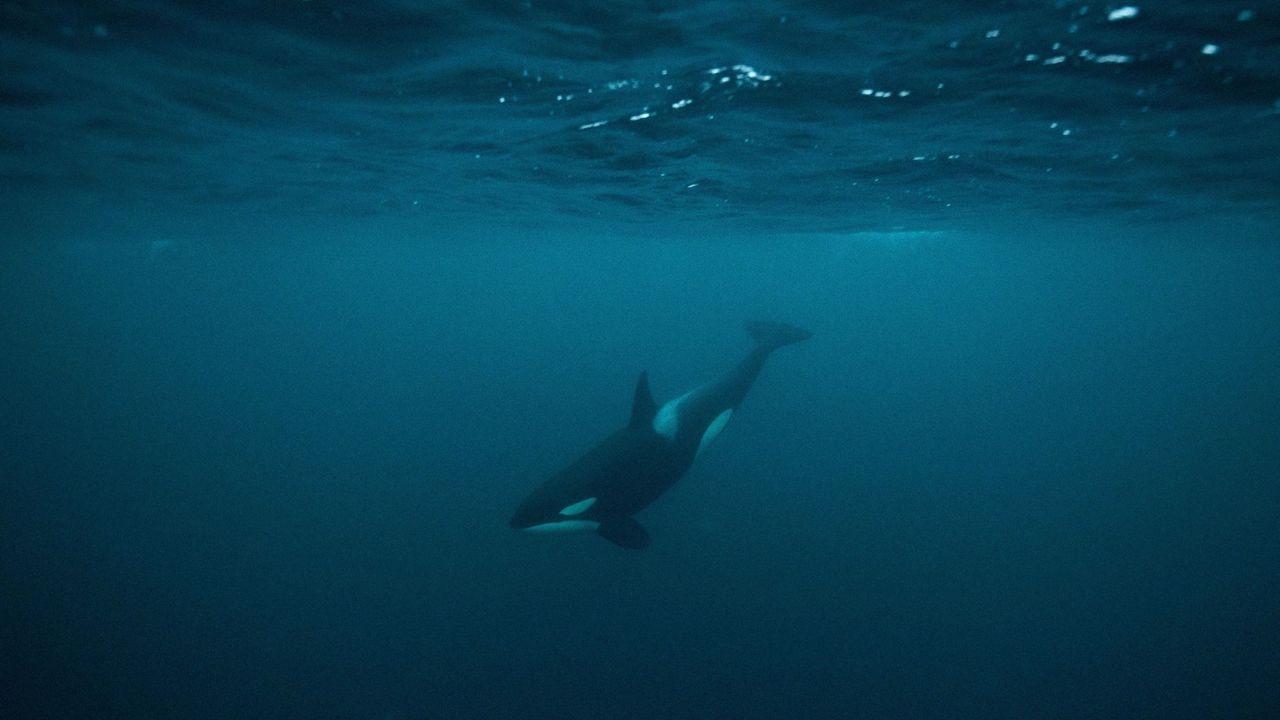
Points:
(541, 514)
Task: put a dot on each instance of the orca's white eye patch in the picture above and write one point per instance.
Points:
(579, 507)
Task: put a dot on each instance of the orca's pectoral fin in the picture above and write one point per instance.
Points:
(623, 531)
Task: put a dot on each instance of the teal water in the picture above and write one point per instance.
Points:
(297, 303)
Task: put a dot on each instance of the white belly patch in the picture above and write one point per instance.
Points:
(714, 429)
(667, 421)
(563, 526)
(579, 507)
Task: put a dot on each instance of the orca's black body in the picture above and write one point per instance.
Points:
(631, 468)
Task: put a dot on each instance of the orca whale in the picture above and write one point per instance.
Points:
(603, 490)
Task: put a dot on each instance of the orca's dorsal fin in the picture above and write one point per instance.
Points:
(623, 531)
(643, 408)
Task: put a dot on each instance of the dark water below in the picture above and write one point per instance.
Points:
(297, 301)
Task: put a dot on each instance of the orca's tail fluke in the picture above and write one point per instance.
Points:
(773, 335)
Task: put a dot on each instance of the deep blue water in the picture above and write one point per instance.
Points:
(298, 300)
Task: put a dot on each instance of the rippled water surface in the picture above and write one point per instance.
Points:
(773, 114)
